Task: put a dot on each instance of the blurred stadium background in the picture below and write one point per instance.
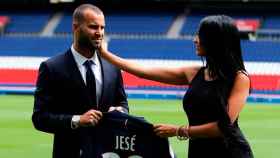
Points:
(151, 32)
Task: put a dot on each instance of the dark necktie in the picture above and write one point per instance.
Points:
(90, 82)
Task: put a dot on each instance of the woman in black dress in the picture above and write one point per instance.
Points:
(216, 95)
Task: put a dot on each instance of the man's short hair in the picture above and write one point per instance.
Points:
(78, 12)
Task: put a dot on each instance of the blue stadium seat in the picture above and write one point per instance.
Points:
(271, 22)
(193, 19)
(177, 49)
(261, 51)
(137, 23)
(33, 46)
(26, 22)
(154, 48)
(267, 51)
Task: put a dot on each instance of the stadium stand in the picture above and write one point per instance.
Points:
(183, 49)
(33, 46)
(140, 23)
(192, 20)
(271, 22)
(191, 24)
(64, 25)
(129, 36)
(4, 20)
(27, 21)
(179, 49)
(270, 27)
(128, 23)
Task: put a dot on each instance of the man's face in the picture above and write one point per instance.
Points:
(91, 30)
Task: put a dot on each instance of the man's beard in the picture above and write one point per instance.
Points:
(85, 42)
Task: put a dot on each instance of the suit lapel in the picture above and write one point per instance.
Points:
(104, 68)
(74, 72)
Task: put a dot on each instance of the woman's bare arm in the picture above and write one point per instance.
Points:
(165, 74)
(238, 95)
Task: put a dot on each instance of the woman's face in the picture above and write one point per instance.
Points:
(199, 49)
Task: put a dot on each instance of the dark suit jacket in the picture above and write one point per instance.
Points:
(61, 93)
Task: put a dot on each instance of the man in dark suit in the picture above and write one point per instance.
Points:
(74, 88)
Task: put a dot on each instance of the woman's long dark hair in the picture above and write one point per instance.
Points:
(220, 39)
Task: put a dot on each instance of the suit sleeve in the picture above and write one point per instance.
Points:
(44, 117)
(120, 94)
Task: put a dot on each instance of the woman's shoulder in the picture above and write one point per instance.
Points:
(196, 69)
(242, 77)
(193, 71)
(242, 72)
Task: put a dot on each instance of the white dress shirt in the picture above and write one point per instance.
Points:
(96, 69)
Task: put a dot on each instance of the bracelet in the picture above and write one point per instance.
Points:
(182, 133)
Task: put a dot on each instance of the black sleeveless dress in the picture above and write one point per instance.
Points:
(204, 102)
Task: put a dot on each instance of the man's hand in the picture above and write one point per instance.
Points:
(90, 118)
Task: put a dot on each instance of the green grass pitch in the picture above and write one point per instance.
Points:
(18, 138)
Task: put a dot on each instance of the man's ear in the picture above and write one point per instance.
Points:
(75, 26)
